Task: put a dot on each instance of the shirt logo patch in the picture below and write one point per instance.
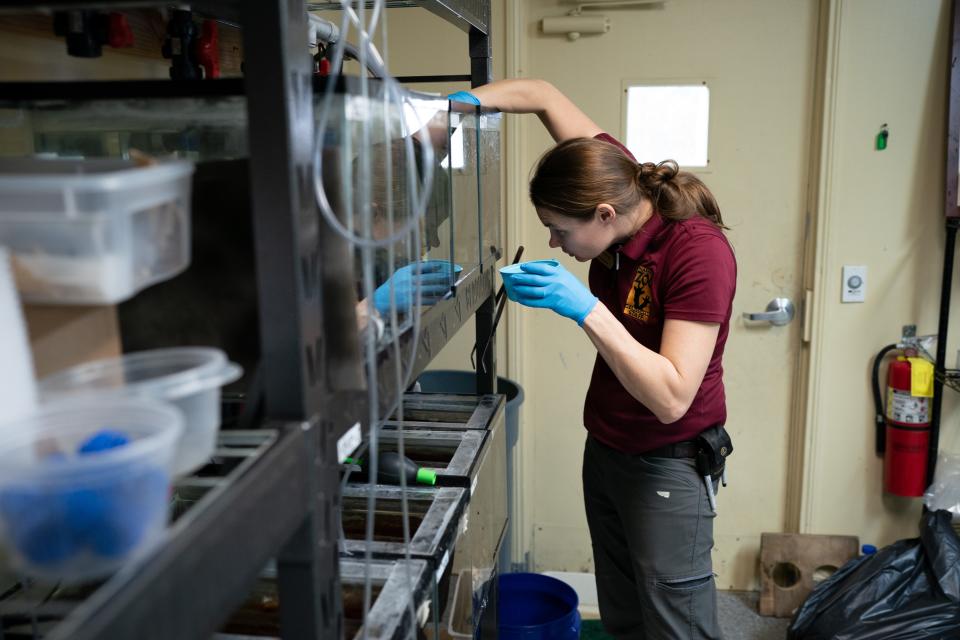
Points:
(640, 298)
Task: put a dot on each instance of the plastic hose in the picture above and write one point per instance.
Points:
(880, 421)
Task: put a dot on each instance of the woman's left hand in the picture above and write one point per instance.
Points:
(549, 286)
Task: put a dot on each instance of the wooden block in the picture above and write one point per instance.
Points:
(791, 562)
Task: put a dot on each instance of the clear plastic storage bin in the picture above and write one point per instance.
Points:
(93, 231)
(84, 486)
(187, 377)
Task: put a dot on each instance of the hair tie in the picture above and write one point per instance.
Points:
(644, 169)
(670, 172)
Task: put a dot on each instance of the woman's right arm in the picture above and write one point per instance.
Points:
(562, 118)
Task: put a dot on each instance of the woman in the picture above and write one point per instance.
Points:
(661, 285)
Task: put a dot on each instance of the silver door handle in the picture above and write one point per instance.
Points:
(779, 312)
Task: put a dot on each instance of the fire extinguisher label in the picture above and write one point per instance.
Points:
(907, 409)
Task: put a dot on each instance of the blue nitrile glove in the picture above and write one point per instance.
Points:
(550, 286)
(433, 283)
(465, 97)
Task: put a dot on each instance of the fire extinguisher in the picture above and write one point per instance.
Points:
(903, 427)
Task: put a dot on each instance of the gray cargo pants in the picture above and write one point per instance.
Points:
(652, 531)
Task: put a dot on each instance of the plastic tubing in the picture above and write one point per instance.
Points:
(367, 243)
(396, 93)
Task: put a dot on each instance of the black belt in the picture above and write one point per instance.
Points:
(684, 449)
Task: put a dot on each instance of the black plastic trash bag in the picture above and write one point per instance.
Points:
(910, 589)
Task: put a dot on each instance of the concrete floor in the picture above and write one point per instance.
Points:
(738, 619)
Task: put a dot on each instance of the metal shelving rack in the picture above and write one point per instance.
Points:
(952, 219)
(282, 503)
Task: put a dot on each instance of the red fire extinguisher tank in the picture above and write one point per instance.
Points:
(908, 434)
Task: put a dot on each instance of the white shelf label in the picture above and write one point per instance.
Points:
(348, 442)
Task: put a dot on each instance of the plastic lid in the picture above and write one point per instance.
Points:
(151, 427)
(93, 174)
(867, 549)
(167, 373)
(426, 476)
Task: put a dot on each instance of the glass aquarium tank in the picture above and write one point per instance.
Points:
(411, 179)
(420, 179)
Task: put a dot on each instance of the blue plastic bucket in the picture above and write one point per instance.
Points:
(535, 607)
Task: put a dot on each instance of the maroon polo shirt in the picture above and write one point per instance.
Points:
(682, 270)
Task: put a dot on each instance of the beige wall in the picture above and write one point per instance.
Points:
(883, 210)
(879, 209)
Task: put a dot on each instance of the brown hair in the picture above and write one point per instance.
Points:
(575, 176)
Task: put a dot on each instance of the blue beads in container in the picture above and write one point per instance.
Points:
(78, 500)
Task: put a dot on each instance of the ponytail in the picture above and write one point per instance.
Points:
(578, 174)
(675, 194)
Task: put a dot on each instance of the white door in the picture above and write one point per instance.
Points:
(757, 58)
